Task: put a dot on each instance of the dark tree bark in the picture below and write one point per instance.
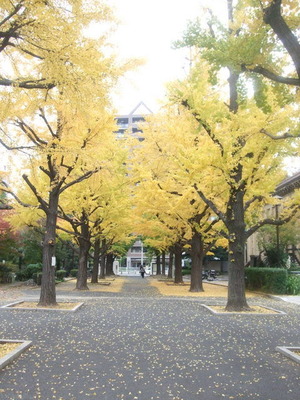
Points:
(163, 263)
(178, 263)
(158, 265)
(48, 292)
(273, 17)
(197, 252)
(102, 266)
(170, 271)
(103, 259)
(109, 264)
(95, 271)
(233, 80)
(84, 248)
(236, 226)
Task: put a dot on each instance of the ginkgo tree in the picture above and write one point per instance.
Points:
(242, 164)
(64, 118)
(170, 210)
(259, 45)
(98, 209)
(43, 44)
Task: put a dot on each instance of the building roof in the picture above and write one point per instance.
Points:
(288, 185)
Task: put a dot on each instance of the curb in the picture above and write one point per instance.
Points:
(289, 352)
(10, 357)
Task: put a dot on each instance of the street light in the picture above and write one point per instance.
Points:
(277, 230)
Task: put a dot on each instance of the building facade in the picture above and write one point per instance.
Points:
(285, 189)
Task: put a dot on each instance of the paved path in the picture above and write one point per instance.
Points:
(137, 345)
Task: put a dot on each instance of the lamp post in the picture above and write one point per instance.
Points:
(277, 235)
(277, 228)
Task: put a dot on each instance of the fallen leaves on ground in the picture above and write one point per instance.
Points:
(104, 285)
(253, 309)
(167, 288)
(33, 304)
(6, 348)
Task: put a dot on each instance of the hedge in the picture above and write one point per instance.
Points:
(28, 272)
(5, 274)
(273, 280)
(293, 284)
(61, 274)
(74, 273)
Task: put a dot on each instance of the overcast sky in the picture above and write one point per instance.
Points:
(147, 30)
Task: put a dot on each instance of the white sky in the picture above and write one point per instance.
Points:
(147, 30)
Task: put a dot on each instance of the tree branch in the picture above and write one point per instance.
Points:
(249, 202)
(80, 179)
(270, 75)
(273, 17)
(283, 136)
(26, 84)
(43, 203)
(270, 221)
(204, 125)
(30, 133)
(210, 204)
(17, 147)
(43, 116)
(5, 188)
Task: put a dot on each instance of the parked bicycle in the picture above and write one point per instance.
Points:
(209, 275)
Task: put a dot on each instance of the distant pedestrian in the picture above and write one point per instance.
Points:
(142, 271)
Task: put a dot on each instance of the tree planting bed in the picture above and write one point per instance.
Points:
(11, 349)
(290, 352)
(255, 310)
(33, 305)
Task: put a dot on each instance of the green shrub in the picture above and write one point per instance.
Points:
(294, 267)
(33, 268)
(272, 280)
(12, 266)
(61, 274)
(28, 272)
(21, 275)
(39, 278)
(5, 274)
(34, 277)
(293, 284)
(74, 273)
(186, 272)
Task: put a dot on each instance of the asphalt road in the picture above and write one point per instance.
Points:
(137, 345)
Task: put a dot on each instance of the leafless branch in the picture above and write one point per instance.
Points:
(270, 75)
(80, 179)
(43, 203)
(16, 147)
(211, 204)
(270, 221)
(26, 84)
(5, 188)
(285, 135)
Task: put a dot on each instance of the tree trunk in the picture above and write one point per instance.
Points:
(163, 263)
(273, 17)
(170, 271)
(102, 259)
(95, 271)
(178, 262)
(48, 291)
(102, 266)
(236, 278)
(84, 247)
(109, 264)
(158, 269)
(197, 263)
(236, 275)
(235, 216)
